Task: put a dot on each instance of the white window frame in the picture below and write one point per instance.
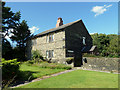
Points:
(52, 53)
(47, 54)
(51, 38)
(84, 41)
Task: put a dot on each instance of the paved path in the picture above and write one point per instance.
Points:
(44, 77)
(96, 70)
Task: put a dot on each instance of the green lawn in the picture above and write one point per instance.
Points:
(29, 72)
(77, 79)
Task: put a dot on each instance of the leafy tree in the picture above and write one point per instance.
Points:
(107, 44)
(7, 50)
(101, 41)
(113, 47)
(10, 20)
(21, 34)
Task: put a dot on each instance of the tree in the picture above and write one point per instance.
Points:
(7, 50)
(10, 21)
(102, 42)
(113, 47)
(107, 44)
(21, 34)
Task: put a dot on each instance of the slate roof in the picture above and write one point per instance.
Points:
(56, 29)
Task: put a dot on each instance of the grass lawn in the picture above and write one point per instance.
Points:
(77, 79)
(29, 72)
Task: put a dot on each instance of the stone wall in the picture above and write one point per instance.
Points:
(102, 64)
(58, 45)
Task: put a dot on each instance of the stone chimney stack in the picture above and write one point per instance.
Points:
(59, 22)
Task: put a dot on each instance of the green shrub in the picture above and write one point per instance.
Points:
(70, 60)
(36, 54)
(54, 66)
(10, 68)
(30, 62)
(89, 55)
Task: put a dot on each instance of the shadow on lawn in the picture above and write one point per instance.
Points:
(23, 77)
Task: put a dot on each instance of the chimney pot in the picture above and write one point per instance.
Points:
(59, 22)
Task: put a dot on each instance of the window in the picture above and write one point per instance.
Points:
(50, 38)
(52, 51)
(47, 38)
(84, 41)
(69, 53)
(34, 41)
(49, 54)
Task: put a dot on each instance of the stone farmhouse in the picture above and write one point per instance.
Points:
(61, 42)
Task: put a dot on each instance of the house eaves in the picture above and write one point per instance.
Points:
(55, 29)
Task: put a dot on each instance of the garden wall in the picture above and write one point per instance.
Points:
(102, 64)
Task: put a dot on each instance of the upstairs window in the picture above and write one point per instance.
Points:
(50, 38)
(84, 41)
(47, 38)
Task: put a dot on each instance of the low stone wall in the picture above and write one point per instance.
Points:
(102, 64)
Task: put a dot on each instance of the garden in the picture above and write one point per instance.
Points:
(77, 79)
(15, 73)
(16, 69)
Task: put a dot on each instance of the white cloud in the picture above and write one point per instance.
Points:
(33, 29)
(100, 9)
(109, 6)
(93, 33)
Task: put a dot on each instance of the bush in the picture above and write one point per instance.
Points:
(10, 68)
(36, 54)
(89, 55)
(53, 65)
(35, 61)
(70, 60)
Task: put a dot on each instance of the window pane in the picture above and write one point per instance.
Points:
(49, 38)
(47, 53)
(46, 38)
(84, 40)
(52, 37)
(52, 53)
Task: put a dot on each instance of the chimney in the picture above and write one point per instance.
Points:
(59, 22)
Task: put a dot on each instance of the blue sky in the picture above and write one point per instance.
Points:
(98, 17)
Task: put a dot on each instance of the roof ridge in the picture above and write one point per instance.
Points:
(56, 28)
